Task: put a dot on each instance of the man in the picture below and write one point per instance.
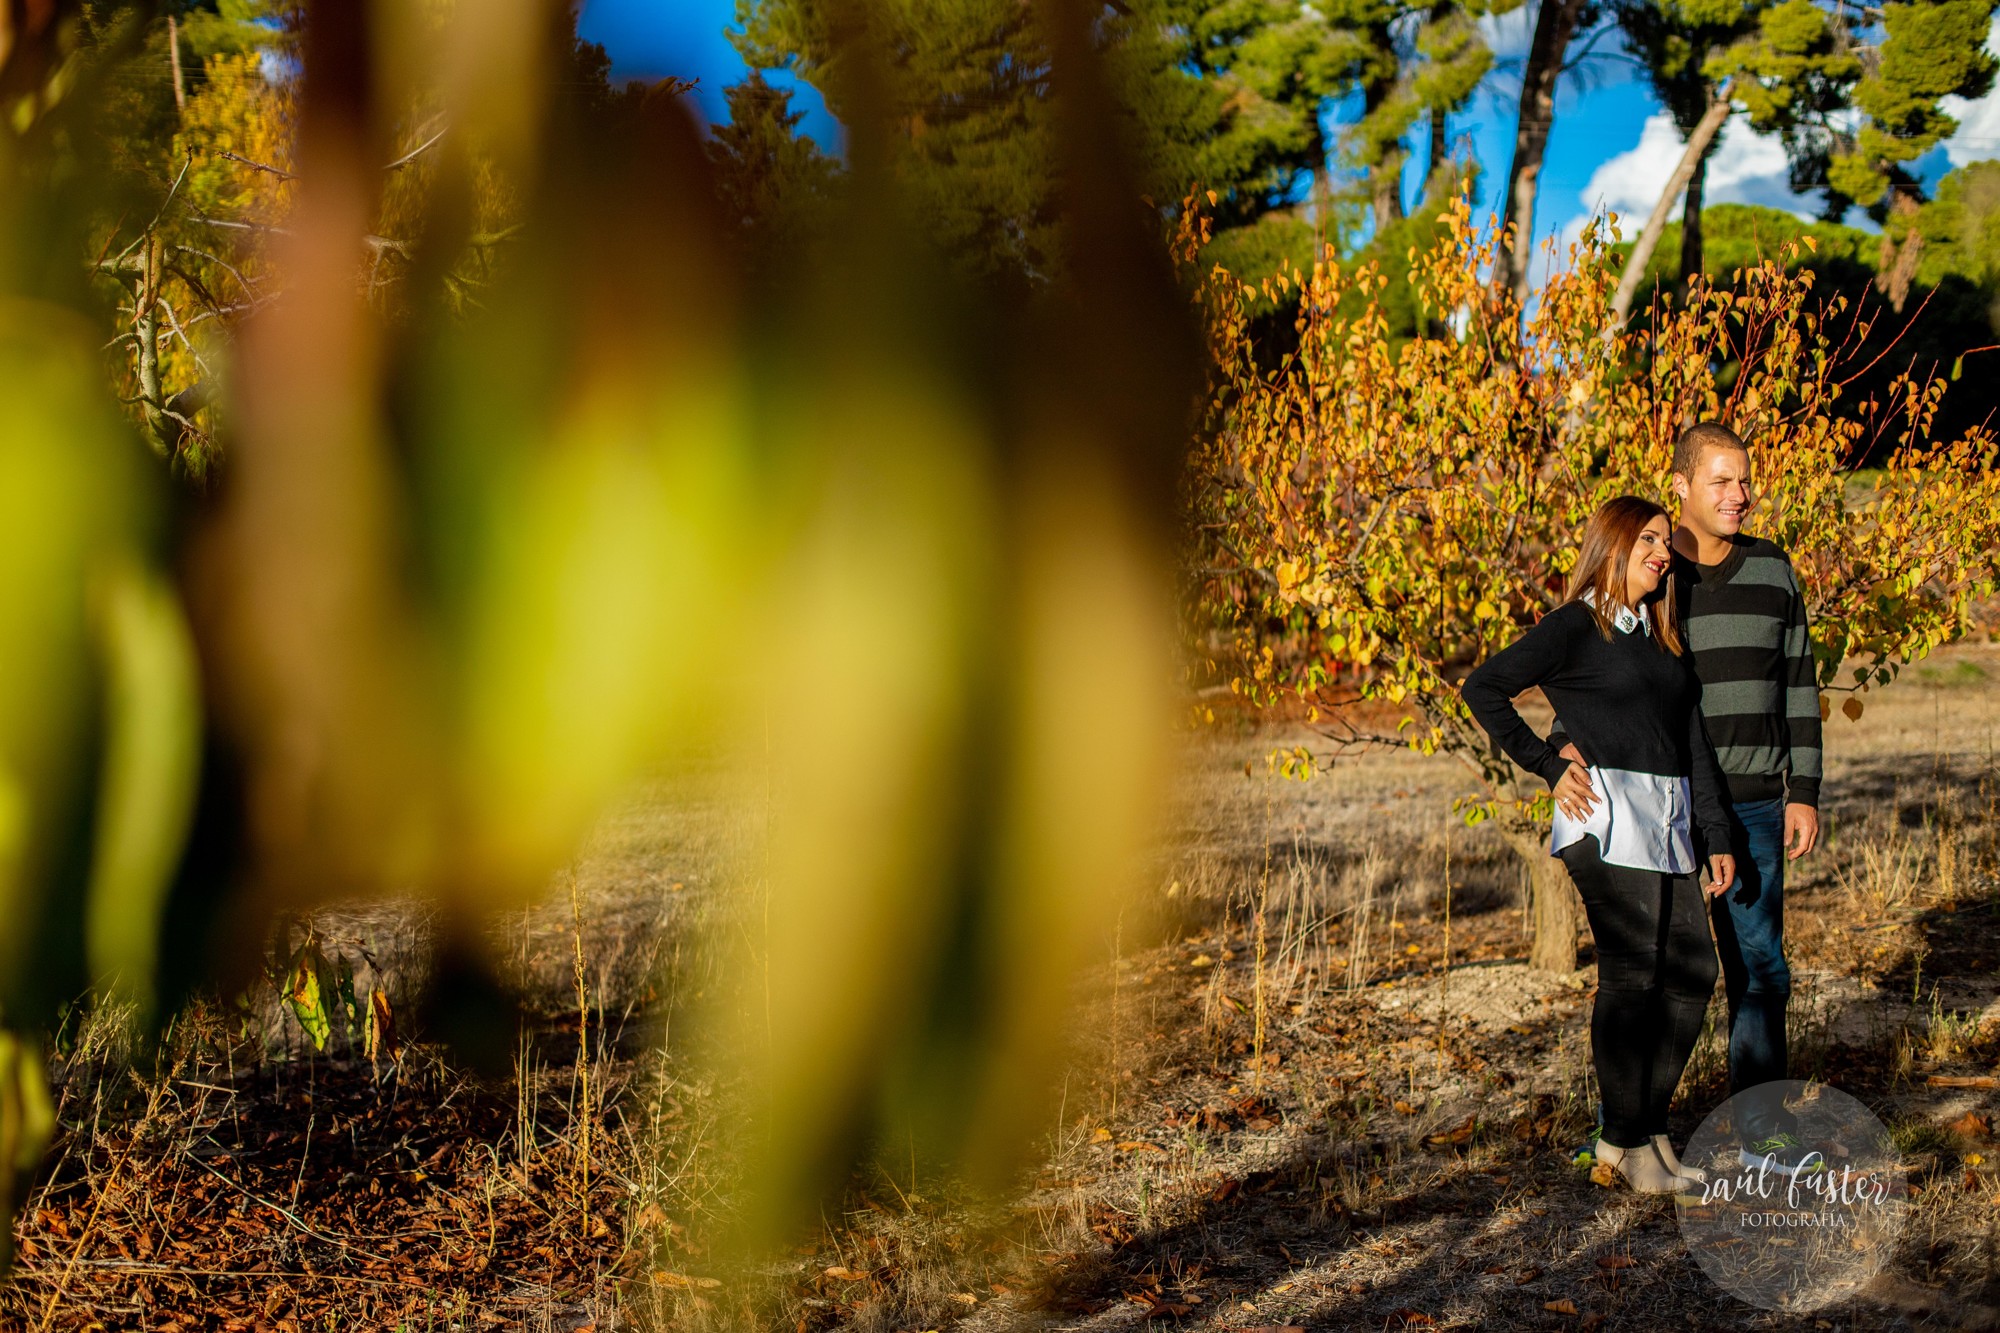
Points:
(1744, 620)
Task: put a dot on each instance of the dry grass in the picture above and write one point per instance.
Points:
(1317, 1086)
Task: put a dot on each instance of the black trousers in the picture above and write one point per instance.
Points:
(1656, 969)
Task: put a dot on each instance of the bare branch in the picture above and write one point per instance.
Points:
(233, 224)
(174, 323)
(172, 190)
(255, 165)
(416, 152)
(220, 263)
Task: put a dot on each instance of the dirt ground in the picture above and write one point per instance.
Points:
(1392, 1147)
(1317, 1088)
(1399, 1153)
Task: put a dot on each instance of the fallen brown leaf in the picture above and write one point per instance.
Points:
(1616, 1261)
(665, 1279)
(1560, 1307)
(1972, 1125)
(1459, 1133)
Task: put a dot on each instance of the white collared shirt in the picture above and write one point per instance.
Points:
(1640, 820)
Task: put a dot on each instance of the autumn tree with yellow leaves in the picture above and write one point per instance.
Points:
(1376, 520)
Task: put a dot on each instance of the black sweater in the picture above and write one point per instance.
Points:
(1627, 703)
(1745, 621)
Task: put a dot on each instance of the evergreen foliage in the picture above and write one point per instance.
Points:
(1804, 69)
(1929, 49)
(1960, 228)
(769, 179)
(966, 83)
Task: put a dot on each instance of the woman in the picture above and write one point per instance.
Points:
(1610, 661)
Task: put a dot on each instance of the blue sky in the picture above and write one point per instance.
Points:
(1612, 146)
(650, 39)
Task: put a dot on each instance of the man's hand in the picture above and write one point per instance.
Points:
(1801, 830)
(1574, 795)
(1721, 874)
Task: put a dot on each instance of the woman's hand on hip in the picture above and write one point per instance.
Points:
(1721, 874)
(1574, 795)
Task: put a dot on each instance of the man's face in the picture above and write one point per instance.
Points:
(1716, 496)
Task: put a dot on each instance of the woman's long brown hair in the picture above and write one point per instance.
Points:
(1600, 569)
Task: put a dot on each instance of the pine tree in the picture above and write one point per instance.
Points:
(1801, 69)
(1411, 63)
(1556, 22)
(1673, 41)
(1266, 69)
(1928, 50)
(770, 179)
(1223, 95)
(1950, 244)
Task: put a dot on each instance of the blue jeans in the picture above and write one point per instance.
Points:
(1749, 923)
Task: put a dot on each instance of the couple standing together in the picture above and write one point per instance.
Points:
(1687, 735)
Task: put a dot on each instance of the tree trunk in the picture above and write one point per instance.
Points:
(1691, 223)
(1439, 146)
(1649, 239)
(1555, 24)
(1317, 207)
(1386, 190)
(174, 64)
(1555, 914)
(1385, 175)
(146, 345)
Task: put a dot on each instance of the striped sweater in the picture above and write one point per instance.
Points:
(1745, 624)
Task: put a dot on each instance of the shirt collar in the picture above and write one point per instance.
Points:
(1623, 618)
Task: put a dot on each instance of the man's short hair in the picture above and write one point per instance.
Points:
(1698, 439)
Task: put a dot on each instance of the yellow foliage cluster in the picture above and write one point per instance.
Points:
(1376, 520)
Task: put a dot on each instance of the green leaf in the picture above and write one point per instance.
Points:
(152, 761)
(27, 1118)
(303, 995)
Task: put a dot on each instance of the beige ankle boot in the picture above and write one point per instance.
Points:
(1641, 1167)
(1665, 1149)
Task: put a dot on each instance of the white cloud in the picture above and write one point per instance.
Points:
(1745, 167)
(1978, 136)
(1510, 34)
(1629, 183)
(1751, 168)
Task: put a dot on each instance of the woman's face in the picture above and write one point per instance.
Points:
(1652, 555)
